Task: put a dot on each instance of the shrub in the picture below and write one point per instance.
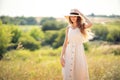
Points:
(86, 46)
(60, 39)
(53, 25)
(114, 35)
(43, 20)
(109, 31)
(16, 34)
(116, 51)
(29, 42)
(5, 38)
(100, 31)
(49, 25)
(50, 37)
(37, 34)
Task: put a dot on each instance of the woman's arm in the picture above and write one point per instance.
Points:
(64, 48)
(65, 43)
(88, 22)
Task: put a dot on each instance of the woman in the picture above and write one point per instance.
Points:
(73, 60)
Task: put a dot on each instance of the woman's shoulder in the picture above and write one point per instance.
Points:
(69, 26)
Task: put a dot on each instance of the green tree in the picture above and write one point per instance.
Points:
(49, 25)
(5, 38)
(28, 42)
(60, 39)
(31, 21)
(50, 37)
(43, 20)
(5, 19)
(53, 25)
(114, 35)
(16, 34)
(18, 20)
(37, 34)
(100, 31)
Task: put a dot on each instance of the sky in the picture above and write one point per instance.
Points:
(57, 8)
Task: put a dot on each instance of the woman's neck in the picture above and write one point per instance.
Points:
(74, 25)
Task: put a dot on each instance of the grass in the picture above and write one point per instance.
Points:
(103, 60)
(44, 64)
(104, 68)
(25, 65)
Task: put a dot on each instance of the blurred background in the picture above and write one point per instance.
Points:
(32, 34)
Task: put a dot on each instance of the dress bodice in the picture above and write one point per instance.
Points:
(74, 35)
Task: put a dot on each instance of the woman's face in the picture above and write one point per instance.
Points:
(73, 19)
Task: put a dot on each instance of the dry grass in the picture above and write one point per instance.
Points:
(27, 65)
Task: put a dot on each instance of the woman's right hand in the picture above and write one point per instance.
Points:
(62, 61)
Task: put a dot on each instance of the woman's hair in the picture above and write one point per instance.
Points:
(80, 25)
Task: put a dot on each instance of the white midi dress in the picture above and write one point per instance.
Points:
(75, 60)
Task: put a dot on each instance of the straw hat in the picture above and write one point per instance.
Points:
(74, 12)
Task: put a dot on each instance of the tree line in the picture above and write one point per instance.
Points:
(108, 16)
(51, 33)
(18, 20)
(32, 20)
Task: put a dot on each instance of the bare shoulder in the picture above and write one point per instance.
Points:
(67, 28)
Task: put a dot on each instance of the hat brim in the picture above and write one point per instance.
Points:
(67, 17)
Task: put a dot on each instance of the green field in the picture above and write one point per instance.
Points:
(38, 58)
(44, 64)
